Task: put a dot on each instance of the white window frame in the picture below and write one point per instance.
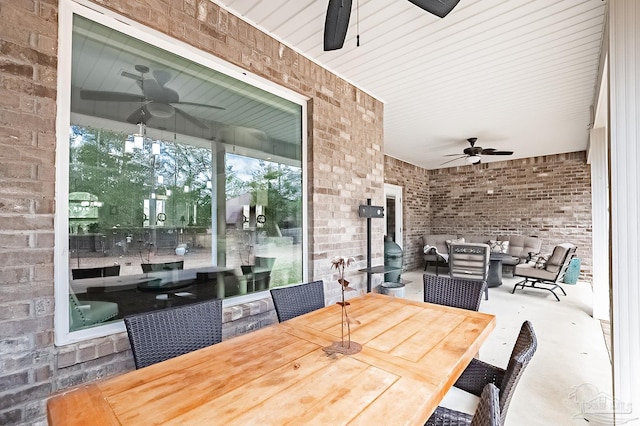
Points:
(395, 192)
(112, 20)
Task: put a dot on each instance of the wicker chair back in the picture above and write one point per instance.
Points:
(522, 352)
(297, 300)
(159, 335)
(455, 292)
(487, 413)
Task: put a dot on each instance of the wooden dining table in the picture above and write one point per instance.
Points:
(412, 353)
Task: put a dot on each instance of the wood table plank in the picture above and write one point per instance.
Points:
(409, 402)
(83, 406)
(163, 400)
(412, 353)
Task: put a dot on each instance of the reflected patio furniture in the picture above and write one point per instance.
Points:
(258, 275)
(264, 266)
(111, 271)
(296, 300)
(82, 273)
(160, 335)
(455, 292)
(105, 271)
(208, 284)
(550, 275)
(486, 414)
(165, 266)
(84, 313)
(479, 373)
(470, 261)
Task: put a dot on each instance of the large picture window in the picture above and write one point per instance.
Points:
(184, 183)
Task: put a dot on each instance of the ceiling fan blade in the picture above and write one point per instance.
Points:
(131, 76)
(198, 105)
(191, 118)
(451, 161)
(440, 8)
(452, 155)
(97, 95)
(162, 76)
(336, 24)
(152, 90)
(493, 151)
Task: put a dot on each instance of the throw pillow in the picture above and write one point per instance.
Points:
(498, 246)
(539, 261)
(454, 241)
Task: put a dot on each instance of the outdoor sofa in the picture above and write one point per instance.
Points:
(436, 250)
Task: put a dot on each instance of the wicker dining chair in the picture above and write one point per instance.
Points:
(159, 335)
(487, 413)
(456, 292)
(478, 374)
(296, 300)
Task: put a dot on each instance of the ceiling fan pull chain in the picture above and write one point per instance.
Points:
(358, 23)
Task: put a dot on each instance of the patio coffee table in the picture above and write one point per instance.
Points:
(494, 278)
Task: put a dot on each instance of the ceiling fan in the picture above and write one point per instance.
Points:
(339, 11)
(473, 153)
(156, 99)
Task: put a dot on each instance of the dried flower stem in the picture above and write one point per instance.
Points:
(340, 263)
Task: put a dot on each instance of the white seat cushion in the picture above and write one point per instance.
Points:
(459, 400)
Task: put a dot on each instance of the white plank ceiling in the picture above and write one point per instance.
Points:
(519, 75)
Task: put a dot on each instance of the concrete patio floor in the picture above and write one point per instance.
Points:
(571, 366)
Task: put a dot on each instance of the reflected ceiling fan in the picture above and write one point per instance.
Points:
(473, 153)
(156, 99)
(339, 11)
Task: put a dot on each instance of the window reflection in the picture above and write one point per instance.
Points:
(184, 184)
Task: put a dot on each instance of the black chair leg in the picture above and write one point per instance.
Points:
(523, 284)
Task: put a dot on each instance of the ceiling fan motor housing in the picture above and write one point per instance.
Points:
(474, 150)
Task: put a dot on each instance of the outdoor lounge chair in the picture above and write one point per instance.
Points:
(160, 335)
(463, 397)
(296, 300)
(546, 275)
(470, 261)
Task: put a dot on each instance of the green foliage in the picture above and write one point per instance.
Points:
(121, 181)
(234, 185)
(283, 186)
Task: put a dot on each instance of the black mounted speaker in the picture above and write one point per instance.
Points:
(371, 211)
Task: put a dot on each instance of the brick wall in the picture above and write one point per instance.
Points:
(549, 197)
(28, 64)
(345, 167)
(415, 207)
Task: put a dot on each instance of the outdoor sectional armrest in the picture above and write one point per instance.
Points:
(433, 251)
(477, 375)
